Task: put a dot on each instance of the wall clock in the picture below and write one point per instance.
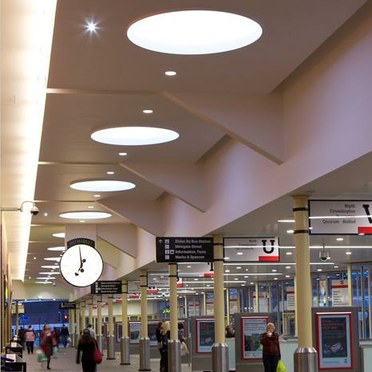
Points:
(81, 265)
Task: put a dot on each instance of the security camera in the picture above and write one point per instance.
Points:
(34, 210)
(324, 255)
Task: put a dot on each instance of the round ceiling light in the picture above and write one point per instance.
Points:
(102, 185)
(194, 32)
(134, 136)
(85, 215)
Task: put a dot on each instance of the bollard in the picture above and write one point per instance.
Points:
(125, 351)
(305, 360)
(144, 354)
(174, 356)
(100, 342)
(110, 348)
(220, 357)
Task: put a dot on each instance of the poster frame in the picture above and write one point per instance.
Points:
(242, 341)
(199, 349)
(319, 343)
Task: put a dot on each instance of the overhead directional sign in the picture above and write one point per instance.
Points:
(251, 249)
(340, 217)
(184, 249)
(106, 287)
(67, 305)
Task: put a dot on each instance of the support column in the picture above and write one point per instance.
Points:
(305, 356)
(144, 342)
(16, 318)
(125, 341)
(110, 330)
(82, 316)
(174, 345)
(349, 286)
(71, 326)
(90, 315)
(220, 355)
(257, 299)
(78, 327)
(227, 321)
(99, 325)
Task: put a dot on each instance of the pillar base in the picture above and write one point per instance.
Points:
(110, 348)
(305, 359)
(174, 356)
(144, 354)
(100, 342)
(125, 351)
(220, 357)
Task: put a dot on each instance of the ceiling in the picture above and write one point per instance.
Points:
(98, 80)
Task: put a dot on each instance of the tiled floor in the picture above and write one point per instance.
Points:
(65, 362)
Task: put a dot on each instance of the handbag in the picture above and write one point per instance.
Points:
(97, 355)
(184, 348)
(281, 367)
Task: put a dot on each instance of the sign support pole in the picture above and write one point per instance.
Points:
(99, 324)
(144, 342)
(125, 341)
(220, 356)
(305, 356)
(174, 345)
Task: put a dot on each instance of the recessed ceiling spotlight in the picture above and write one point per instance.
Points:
(97, 195)
(134, 136)
(59, 235)
(286, 221)
(170, 73)
(290, 231)
(348, 253)
(288, 253)
(287, 267)
(85, 215)
(45, 214)
(122, 153)
(335, 267)
(102, 185)
(110, 172)
(91, 26)
(339, 239)
(194, 32)
(147, 111)
(57, 249)
(90, 206)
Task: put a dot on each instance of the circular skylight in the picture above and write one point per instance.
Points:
(85, 215)
(194, 32)
(134, 136)
(102, 185)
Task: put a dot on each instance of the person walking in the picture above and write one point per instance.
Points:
(164, 338)
(158, 339)
(65, 334)
(48, 341)
(91, 331)
(271, 349)
(30, 339)
(86, 346)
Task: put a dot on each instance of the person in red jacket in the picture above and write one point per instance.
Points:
(48, 341)
(271, 348)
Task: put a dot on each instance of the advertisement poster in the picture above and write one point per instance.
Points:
(209, 303)
(233, 301)
(334, 340)
(151, 327)
(340, 295)
(252, 328)
(204, 335)
(291, 304)
(134, 332)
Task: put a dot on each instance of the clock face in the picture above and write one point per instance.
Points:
(81, 265)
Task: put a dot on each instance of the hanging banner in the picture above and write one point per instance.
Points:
(340, 217)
